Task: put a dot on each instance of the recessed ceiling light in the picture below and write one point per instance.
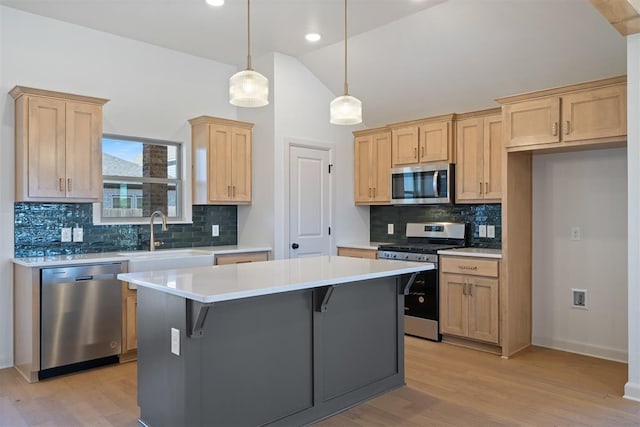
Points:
(215, 2)
(313, 37)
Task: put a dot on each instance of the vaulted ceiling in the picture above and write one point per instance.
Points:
(407, 58)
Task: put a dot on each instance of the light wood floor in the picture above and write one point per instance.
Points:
(446, 385)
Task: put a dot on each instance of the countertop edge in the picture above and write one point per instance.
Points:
(473, 252)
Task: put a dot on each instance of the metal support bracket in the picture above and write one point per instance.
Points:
(196, 315)
(323, 296)
(405, 290)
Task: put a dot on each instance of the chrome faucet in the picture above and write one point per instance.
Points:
(152, 242)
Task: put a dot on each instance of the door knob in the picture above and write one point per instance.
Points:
(294, 246)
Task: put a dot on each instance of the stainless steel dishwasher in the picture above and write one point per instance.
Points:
(80, 318)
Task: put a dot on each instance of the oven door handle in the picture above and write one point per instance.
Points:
(436, 193)
(412, 279)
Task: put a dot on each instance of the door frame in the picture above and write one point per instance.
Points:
(314, 145)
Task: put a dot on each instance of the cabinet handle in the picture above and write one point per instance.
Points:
(470, 290)
(567, 127)
(69, 184)
(554, 129)
(415, 153)
(480, 187)
(370, 196)
(422, 151)
(464, 289)
(234, 191)
(61, 184)
(374, 192)
(486, 187)
(228, 190)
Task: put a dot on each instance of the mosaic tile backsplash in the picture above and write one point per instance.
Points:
(37, 230)
(399, 216)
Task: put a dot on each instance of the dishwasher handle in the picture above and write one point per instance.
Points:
(106, 276)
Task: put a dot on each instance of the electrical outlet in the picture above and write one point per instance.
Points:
(491, 231)
(389, 228)
(215, 230)
(576, 233)
(579, 298)
(78, 234)
(175, 341)
(65, 234)
(482, 231)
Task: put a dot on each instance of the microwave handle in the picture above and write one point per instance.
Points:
(435, 184)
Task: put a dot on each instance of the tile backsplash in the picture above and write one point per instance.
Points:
(399, 216)
(37, 230)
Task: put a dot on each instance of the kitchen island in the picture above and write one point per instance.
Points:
(284, 342)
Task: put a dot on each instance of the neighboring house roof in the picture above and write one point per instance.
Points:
(115, 166)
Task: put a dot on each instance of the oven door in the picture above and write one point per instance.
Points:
(422, 300)
(421, 185)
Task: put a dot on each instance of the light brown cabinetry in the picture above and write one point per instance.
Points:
(240, 258)
(372, 164)
(587, 113)
(469, 298)
(423, 141)
(221, 161)
(58, 146)
(479, 158)
(358, 252)
(129, 319)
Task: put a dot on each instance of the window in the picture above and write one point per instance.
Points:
(139, 176)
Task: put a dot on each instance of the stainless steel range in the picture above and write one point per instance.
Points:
(424, 240)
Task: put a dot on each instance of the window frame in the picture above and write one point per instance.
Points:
(183, 201)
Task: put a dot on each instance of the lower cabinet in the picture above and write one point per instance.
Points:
(469, 298)
(129, 318)
(358, 252)
(239, 258)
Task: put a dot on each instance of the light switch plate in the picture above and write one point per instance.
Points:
(175, 341)
(215, 230)
(491, 231)
(576, 233)
(389, 228)
(65, 234)
(78, 234)
(482, 231)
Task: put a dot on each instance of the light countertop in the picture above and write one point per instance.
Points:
(228, 282)
(78, 259)
(361, 245)
(473, 252)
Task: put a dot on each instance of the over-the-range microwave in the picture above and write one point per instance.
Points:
(424, 184)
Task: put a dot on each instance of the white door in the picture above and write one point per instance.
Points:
(309, 202)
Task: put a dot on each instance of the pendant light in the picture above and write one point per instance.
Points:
(345, 109)
(248, 88)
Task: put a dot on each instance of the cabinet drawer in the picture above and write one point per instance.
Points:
(358, 253)
(240, 258)
(469, 266)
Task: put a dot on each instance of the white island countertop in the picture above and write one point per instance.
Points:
(229, 282)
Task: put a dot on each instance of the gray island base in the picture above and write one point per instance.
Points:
(280, 359)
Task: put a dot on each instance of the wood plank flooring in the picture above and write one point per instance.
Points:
(446, 385)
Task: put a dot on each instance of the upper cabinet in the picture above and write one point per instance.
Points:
(221, 161)
(422, 141)
(372, 164)
(479, 157)
(587, 113)
(58, 146)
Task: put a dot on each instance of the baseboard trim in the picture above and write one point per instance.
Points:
(632, 391)
(600, 352)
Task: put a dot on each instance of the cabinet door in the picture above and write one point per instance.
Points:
(219, 163)
(363, 169)
(381, 167)
(240, 258)
(131, 313)
(404, 146)
(493, 151)
(453, 305)
(46, 148)
(358, 253)
(83, 151)
(240, 165)
(483, 309)
(434, 142)
(598, 113)
(469, 147)
(532, 122)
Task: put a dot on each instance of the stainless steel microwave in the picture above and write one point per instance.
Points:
(424, 184)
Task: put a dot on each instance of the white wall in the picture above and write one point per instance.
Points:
(153, 92)
(632, 388)
(301, 113)
(589, 190)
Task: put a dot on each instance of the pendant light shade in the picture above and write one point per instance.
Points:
(248, 88)
(345, 109)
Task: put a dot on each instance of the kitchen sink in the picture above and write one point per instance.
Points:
(166, 260)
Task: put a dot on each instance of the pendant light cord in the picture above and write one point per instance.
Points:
(249, 34)
(346, 86)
